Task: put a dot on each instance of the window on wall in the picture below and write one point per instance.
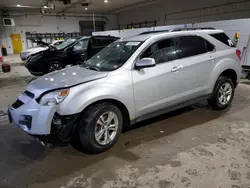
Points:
(162, 51)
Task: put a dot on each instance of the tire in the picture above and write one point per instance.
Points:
(54, 66)
(223, 94)
(90, 130)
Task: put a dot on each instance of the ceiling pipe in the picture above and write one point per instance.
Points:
(134, 5)
(71, 5)
(21, 6)
(70, 16)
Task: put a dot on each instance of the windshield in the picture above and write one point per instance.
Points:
(65, 44)
(113, 56)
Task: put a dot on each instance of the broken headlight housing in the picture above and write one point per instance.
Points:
(54, 97)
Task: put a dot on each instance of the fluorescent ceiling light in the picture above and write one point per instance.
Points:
(18, 5)
(106, 1)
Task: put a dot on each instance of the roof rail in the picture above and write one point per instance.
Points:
(191, 28)
(177, 29)
(151, 32)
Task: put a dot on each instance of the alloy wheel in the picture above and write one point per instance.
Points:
(106, 128)
(225, 94)
(55, 66)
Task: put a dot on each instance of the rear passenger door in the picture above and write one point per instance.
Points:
(197, 61)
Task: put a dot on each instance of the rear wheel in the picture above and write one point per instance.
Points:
(223, 93)
(55, 65)
(100, 127)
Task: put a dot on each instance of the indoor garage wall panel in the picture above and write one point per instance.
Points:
(179, 11)
(231, 27)
(49, 24)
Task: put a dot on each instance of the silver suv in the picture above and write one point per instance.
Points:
(131, 80)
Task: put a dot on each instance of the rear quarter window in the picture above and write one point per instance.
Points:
(222, 37)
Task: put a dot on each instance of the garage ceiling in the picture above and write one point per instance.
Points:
(76, 6)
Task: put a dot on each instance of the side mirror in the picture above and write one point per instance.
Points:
(145, 63)
(69, 49)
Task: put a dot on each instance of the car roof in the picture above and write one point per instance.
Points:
(105, 36)
(151, 35)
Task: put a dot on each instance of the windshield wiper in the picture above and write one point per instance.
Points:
(93, 68)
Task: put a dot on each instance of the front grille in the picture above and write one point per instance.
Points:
(31, 95)
(17, 104)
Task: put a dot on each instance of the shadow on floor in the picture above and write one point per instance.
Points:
(47, 164)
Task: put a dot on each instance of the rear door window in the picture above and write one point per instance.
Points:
(222, 37)
(191, 46)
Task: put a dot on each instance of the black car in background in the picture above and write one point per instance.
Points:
(70, 52)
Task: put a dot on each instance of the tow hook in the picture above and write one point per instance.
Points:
(44, 144)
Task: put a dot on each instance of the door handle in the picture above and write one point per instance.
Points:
(175, 69)
(211, 58)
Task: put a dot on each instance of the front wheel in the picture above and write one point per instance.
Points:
(100, 127)
(223, 94)
(55, 65)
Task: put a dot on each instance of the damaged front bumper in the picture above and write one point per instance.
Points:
(42, 122)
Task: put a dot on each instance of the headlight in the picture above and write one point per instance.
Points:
(25, 53)
(54, 98)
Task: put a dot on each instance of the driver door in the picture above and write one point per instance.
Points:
(78, 52)
(155, 88)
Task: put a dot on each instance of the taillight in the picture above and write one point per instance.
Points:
(238, 53)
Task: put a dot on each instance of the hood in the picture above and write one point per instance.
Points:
(34, 50)
(64, 78)
(42, 43)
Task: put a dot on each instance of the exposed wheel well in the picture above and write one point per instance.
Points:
(120, 105)
(230, 74)
(52, 60)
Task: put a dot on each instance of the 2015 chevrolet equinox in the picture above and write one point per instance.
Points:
(130, 80)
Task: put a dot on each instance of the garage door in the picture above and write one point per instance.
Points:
(86, 27)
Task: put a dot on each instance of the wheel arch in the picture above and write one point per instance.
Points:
(50, 60)
(230, 73)
(119, 104)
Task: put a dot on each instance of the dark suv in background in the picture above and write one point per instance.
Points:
(71, 52)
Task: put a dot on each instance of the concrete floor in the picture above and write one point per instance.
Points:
(191, 147)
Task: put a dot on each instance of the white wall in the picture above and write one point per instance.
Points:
(171, 12)
(229, 26)
(36, 23)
